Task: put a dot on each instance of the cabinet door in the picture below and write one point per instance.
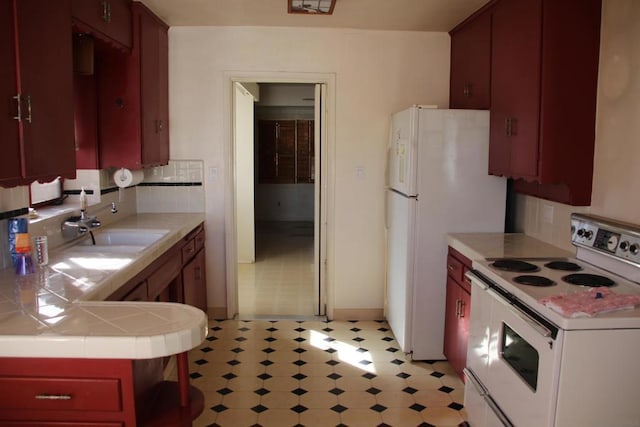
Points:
(10, 160)
(133, 99)
(471, 64)
(277, 151)
(194, 282)
(46, 73)
(463, 328)
(451, 324)
(304, 151)
(111, 19)
(151, 97)
(286, 151)
(515, 88)
(266, 150)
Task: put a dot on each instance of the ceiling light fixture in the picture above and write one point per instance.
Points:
(315, 7)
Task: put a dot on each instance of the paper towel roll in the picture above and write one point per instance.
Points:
(126, 178)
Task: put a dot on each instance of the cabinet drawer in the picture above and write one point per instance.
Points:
(59, 424)
(93, 394)
(188, 251)
(139, 293)
(160, 279)
(455, 269)
(199, 240)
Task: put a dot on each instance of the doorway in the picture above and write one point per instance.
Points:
(278, 207)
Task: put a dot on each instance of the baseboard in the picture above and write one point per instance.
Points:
(358, 314)
(217, 312)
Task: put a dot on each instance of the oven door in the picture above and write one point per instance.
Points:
(524, 362)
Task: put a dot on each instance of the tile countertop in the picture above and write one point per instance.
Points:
(59, 310)
(499, 245)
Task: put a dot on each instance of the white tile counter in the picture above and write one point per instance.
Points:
(500, 245)
(58, 311)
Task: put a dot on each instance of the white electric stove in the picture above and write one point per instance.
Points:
(531, 363)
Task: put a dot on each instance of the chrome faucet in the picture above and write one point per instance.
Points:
(76, 226)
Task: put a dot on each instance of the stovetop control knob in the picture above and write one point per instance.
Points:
(624, 246)
(588, 234)
(581, 232)
(634, 249)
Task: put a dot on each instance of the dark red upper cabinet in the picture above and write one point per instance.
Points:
(109, 20)
(37, 88)
(471, 64)
(133, 97)
(515, 88)
(544, 71)
(10, 161)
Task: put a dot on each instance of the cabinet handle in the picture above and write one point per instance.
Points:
(18, 99)
(510, 125)
(160, 125)
(53, 397)
(458, 308)
(467, 90)
(106, 12)
(450, 267)
(462, 305)
(29, 116)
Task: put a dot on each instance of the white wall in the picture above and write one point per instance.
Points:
(616, 175)
(243, 133)
(377, 73)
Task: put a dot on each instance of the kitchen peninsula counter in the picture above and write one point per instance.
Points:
(59, 311)
(477, 246)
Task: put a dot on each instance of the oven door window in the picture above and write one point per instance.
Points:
(520, 355)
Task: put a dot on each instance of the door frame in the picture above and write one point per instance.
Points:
(324, 176)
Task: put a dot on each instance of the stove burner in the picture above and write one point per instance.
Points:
(563, 265)
(533, 280)
(591, 280)
(514, 265)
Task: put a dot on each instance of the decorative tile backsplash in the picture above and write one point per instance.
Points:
(176, 187)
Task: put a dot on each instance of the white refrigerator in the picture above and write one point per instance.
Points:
(437, 183)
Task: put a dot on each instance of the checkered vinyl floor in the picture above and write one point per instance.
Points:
(313, 373)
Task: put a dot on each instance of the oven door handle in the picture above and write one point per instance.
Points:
(537, 326)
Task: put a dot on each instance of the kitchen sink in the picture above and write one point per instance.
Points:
(121, 239)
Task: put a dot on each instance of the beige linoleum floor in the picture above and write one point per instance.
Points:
(281, 281)
(312, 373)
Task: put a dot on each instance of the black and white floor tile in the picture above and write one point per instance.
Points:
(313, 373)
